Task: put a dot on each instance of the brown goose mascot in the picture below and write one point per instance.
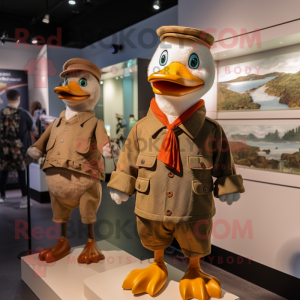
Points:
(74, 145)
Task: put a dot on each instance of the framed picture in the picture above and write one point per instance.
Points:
(266, 150)
(268, 87)
(13, 79)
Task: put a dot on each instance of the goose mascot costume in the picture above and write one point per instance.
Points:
(169, 160)
(74, 145)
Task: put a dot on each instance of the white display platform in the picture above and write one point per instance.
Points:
(108, 285)
(68, 280)
(37, 178)
(63, 280)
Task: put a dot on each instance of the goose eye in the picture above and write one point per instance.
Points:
(82, 82)
(163, 58)
(194, 61)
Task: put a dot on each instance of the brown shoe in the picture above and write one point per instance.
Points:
(56, 252)
(90, 253)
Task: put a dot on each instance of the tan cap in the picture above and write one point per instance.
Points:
(197, 35)
(79, 64)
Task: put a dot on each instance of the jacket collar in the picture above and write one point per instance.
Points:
(191, 126)
(82, 117)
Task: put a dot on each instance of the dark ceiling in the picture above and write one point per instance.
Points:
(82, 24)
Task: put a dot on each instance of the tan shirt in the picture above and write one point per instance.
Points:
(75, 144)
(165, 195)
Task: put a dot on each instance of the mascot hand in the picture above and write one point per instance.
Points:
(230, 198)
(115, 150)
(118, 196)
(34, 153)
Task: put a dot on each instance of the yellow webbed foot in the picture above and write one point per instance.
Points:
(149, 280)
(197, 284)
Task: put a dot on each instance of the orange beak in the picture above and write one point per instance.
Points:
(72, 91)
(175, 80)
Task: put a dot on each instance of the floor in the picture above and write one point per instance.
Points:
(116, 224)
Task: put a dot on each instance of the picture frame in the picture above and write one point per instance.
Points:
(267, 78)
(275, 161)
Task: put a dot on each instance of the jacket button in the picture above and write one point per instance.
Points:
(58, 153)
(171, 175)
(205, 189)
(202, 164)
(66, 129)
(168, 212)
(169, 194)
(61, 140)
(142, 161)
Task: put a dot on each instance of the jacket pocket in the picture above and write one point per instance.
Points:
(146, 161)
(202, 187)
(82, 145)
(142, 184)
(199, 162)
(50, 144)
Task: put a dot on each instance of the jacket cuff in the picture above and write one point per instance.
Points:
(228, 185)
(122, 182)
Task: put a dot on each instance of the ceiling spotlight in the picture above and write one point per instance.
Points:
(101, 82)
(121, 76)
(115, 48)
(34, 41)
(117, 78)
(156, 4)
(46, 19)
(280, 42)
(72, 2)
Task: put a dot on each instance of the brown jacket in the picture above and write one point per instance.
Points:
(164, 194)
(75, 144)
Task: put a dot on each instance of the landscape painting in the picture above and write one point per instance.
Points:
(269, 147)
(267, 84)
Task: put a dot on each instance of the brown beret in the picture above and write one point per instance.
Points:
(197, 35)
(79, 64)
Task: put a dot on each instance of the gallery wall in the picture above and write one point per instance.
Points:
(233, 15)
(38, 80)
(266, 211)
(16, 57)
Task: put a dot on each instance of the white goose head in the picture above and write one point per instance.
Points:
(81, 88)
(181, 71)
(80, 92)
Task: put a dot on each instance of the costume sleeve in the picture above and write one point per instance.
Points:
(41, 143)
(123, 179)
(228, 181)
(101, 135)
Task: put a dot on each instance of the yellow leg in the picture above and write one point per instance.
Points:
(149, 280)
(197, 284)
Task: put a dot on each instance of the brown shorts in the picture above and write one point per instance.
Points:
(193, 238)
(69, 189)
